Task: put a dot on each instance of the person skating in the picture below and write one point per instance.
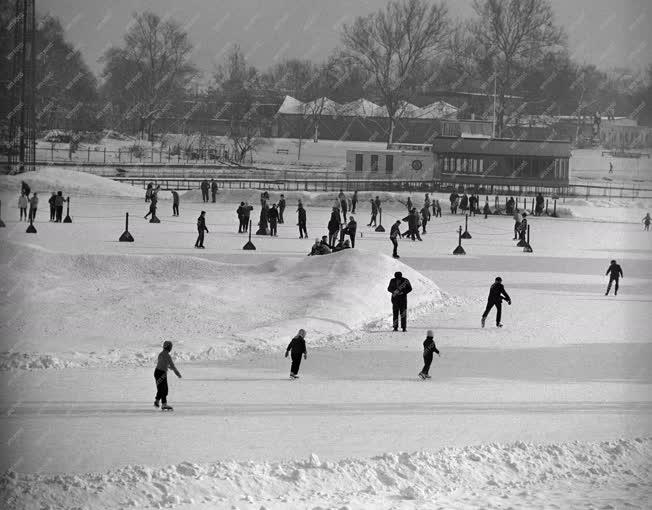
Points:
(538, 208)
(497, 293)
(426, 200)
(204, 190)
(333, 226)
(175, 203)
(646, 222)
(436, 208)
(374, 213)
(399, 287)
(522, 230)
(297, 348)
(350, 230)
(413, 225)
(262, 220)
(429, 348)
(213, 190)
(148, 191)
(394, 234)
(22, 206)
(611, 167)
(615, 273)
(33, 206)
(301, 217)
(486, 210)
(464, 203)
(240, 212)
(343, 205)
(201, 228)
(509, 206)
(425, 216)
(272, 217)
(58, 207)
(53, 207)
(354, 201)
(281, 208)
(161, 376)
(408, 204)
(246, 216)
(518, 218)
(453, 199)
(152, 206)
(25, 188)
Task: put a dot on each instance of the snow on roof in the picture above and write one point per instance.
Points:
(437, 110)
(327, 106)
(362, 108)
(291, 106)
(407, 110)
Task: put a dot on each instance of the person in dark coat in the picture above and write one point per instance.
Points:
(53, 207)
(413, 224)
(408, 204)
(58, 207)
(429, 348)
(344, 206)
(509, 206)
(25, 188)
(473, 204)
(175, 203)
(354, 201)
(297, 348)
(538, 208)
(615, 273)
(436, 208)
(148, 191)
(164, 362)
(350, 230)
(204, 190)
(425, 216)
(240, 212)
(333, 226)
(522, 230)
(272, 217)
(301, 216)
(246, 215)
(33, 206)
(394, 234)
(374, 213)
(496, 295)
(213, 189)
(152, 206)
(281, 208)
(464, 203)
(201, 228)
(262, 221)
(453, 198)
(399, 287)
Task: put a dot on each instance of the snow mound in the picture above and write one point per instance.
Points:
(71, 182)
(76, 310)
(516, 475)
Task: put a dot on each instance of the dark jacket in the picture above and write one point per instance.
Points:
(297, 346)
(429, 346)
(59, 200)
(272, 215)
(281, 204)
(351, 227)
(214, 186)
(334, 222)
(205, 185)
(615, 270)
(400, 288)
(497, 293)
(175, 198)
(164, 362)
(52, 200)
(301, 214)
(374, 208)
(464, 203)
(201, 224)
(395, 231)
(377, 202)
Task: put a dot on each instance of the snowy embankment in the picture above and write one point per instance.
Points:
(75, 310)
(492, 476)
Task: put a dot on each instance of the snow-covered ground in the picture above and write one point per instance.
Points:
(551, 411)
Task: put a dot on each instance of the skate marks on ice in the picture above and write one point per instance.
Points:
(519, 475)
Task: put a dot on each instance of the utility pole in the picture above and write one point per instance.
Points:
(493, 124)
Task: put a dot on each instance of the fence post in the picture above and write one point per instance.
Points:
(119, 150)
(89, 154)
(105, 155)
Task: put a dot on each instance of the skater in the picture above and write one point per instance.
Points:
(152, 206)
(425, 216)
(350, 230)
(240, 212)
(436, 209)
(509, 206)
(264, 198)
(486, 210)
(175, 203)
(204, 190)
(646, 222)
(611, 167)
(518, 218)
(213, 189)
(25, 188)
(374, 213)
(522, 230)
(297, 347)
(320, 247)
(426, 200)
(496, 295)
(161, 376)
(615, 273)
(453, 199)
(281, 208)
(272, 216)
(394, 234)
(413, 225)
(201, 228)
(429, 348)
(333, 226)
(58, 206)
(33, 206)
(148, 191)
(53, 207)
(408, 204)
(354, 201)
(22, 205)
(399, 287)
(378, 205)
(262, 220)
(464, 203)
(538, 208)
(343, 204)
(301, 216)
(246, 214)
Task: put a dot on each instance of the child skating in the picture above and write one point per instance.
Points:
(429, 348)
(297, 347)
(161, 376)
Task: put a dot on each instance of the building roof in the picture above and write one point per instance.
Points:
(437, 110)
(327, 106)
(502, 146)
(291, 106)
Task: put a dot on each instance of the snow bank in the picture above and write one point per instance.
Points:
(76, 310)
(511, 475)
(71, 182)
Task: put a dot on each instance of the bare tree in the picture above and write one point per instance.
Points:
(511, 36)
(393, 45)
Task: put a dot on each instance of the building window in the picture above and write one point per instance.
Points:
(374, 162)
(389, 164)
(358, 162)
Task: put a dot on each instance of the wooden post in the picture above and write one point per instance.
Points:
(459, 250)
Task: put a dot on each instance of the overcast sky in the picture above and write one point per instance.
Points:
(607, 33)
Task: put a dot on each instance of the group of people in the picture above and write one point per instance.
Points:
(206, 187)
(56, 202)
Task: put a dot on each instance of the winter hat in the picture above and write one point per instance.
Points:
(167, 345)
(430, 333)
(302, 333)
(499, 279)
(398, 274)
